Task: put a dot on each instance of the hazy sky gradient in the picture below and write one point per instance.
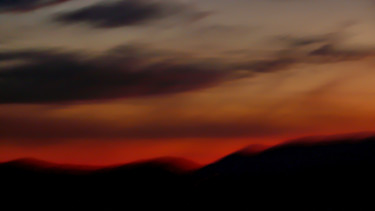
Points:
(100, 82)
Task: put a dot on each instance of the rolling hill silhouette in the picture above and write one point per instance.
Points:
(308, 172)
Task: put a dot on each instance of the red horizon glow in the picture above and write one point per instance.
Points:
(103, 154)
(199, 151)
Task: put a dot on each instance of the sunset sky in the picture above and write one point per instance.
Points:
(113, 81)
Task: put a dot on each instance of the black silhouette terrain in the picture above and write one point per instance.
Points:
(305, 175)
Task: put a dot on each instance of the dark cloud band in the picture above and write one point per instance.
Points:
(52, 76)
(26, 5)
(130, 13)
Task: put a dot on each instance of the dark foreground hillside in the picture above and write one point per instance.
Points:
(304, 176)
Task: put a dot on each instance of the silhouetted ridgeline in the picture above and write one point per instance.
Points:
(308, 173)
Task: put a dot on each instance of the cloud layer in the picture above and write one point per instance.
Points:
(130, 13)
(26, 5)
(53, 76)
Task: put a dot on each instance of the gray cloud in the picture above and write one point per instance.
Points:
(319, 49)
(333, 54)
(130, 12)
(296, 42)
(26, 5)
(53, 76)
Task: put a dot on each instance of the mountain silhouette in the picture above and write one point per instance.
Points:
(296, 157)
(307, 172)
